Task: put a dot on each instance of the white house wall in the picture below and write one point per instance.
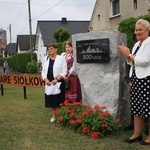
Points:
(18, 49)
(102, 20)
(40, 49)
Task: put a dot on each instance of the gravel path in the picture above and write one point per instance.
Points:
(9, 71)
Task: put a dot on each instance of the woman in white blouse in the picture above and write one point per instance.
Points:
(140, 79)
(54, 70)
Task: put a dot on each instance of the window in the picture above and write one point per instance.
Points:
(134, 4)
(99, 17)
(115, 7)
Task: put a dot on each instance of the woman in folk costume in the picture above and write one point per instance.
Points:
(73, 91)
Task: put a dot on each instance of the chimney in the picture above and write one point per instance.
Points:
(64, 20)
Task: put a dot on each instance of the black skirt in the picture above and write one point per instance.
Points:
(54, 101)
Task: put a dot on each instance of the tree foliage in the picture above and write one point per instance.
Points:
(61, 35)
(32, 67)
(127, 26)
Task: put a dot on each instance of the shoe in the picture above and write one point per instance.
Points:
(144, 143)
(139, 139)
(53, 119)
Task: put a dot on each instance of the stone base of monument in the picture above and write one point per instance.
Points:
(102, 79)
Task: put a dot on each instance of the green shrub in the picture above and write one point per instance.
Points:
(19, 61)
(61, 48)
(32, 67)
(127, 26)
(4, 59)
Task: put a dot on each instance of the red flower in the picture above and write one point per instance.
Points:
(84, 113)
(72, 114)
(77, 103)
(84, 118)
(84, 106)
(94, 134)
(96, 107)
(102, 107)
(104, 125)
(79, 120)
(60, 119)
(56, 111)
(85, 129)
(90, 110)
(66, 103)
(69, 111)
(78, 117)
(100, 116)
(106, 114)
(118, 120)
(72, 122)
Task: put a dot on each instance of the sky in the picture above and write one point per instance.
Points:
(14, 14)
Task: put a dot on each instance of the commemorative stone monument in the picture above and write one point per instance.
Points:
(102, 70)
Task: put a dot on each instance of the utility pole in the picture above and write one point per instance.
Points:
(10, 32)
(30, 29)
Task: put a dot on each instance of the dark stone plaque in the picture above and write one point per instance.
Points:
(93, 51)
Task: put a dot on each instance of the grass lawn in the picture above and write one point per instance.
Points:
(25, 125)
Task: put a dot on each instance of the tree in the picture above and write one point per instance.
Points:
(127, 26)
(61, 35)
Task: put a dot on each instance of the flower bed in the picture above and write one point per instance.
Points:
(95, 122)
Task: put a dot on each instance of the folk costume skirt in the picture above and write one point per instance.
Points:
(73, 93)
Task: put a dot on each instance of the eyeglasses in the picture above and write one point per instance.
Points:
(50, 48)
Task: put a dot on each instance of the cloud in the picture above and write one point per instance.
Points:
(15, 12)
